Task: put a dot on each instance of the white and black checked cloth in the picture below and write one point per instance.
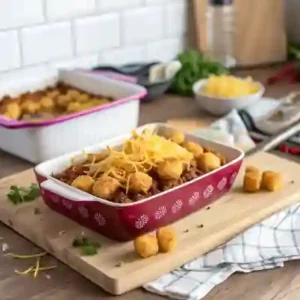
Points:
(265, 246)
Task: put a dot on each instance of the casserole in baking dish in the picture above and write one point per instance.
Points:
(49, 138)
(129, 219)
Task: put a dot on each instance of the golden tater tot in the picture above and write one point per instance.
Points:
(73, 93)
(272, 181)
(13, 111)
(170, 169)
(177, 137)
(208, 161)
(140, 182)
(252, 169)
(30, 107)
(73, 107)
(222, 158)
(53, 94)
(63, 100)
(47, 103)
(105, 187)
(167, 239)
(146, 246)
(251, 182)
(194, 148)
(83, 182)
(96, 157)
(83, 98)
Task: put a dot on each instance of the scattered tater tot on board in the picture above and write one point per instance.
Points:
(252, 169)
(177, 137)
(271, 181)
(140, 182)
(208, 162)
(194, 148)
(105, 187)
(83, 182)
(251, 182)
(167, 239)
(146, 246)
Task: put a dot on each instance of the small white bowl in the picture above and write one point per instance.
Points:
(222, 106)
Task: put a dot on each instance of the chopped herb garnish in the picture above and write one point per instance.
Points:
(87, 247)
(18, 195)
(292, 181)
(208, 207)
(118, 265)
(200, 226)
(185, 231)
(37, 211)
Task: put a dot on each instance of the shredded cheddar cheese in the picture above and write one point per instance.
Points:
(21, 256)
(140, 153)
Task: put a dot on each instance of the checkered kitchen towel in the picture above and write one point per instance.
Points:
(265, 246)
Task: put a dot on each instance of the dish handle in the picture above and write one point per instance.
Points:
(68, 193)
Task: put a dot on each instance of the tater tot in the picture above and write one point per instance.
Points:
(252, 169)
(83, 98)
(84, 183)
(140, 182)
(53, 94)
(63, 100)
(13, 110)
(146, 246)
(73, 107)
(30, 107)
(73, 93)
(194, 148)
(177, 137)
(105, 187)
(170, 169)
(47, 103)
(208, 162)
(251, 182)
(167, 239)
(271, 181)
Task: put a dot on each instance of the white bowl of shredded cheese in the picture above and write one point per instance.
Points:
(220, 95)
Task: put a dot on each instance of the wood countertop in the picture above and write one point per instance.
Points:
(64, 283)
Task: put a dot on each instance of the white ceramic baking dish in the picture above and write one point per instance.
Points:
(37, 142)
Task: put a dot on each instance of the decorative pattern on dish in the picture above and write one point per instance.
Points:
(160, 212)
(177, 206)
(67, 204)
(83, 212)
(100, 219)
(141, 221)
(232, 178)
(222, 184)
(194, 198)
(208, 191)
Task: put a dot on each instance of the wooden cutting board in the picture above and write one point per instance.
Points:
(226, 218)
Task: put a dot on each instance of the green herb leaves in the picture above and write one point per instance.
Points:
(87, 247)
(194, 67)
(18, 195)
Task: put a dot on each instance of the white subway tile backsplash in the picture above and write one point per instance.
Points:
(97, 33)
(16, 13)
(142, 25)
(164, 50)
(10, 55)
(46, 42)
(113, 5)
(88, 61)
(63, 9)
(123, 55)
(53, 34)
(176, 19)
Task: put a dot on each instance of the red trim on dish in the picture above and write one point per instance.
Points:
(13, 124)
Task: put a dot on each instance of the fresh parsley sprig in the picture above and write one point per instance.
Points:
(18, 195)
(86, 246)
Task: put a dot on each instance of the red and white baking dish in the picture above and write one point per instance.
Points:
(127, 221)
(37, 142)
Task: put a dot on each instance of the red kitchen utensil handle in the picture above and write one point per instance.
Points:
(65, 192)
